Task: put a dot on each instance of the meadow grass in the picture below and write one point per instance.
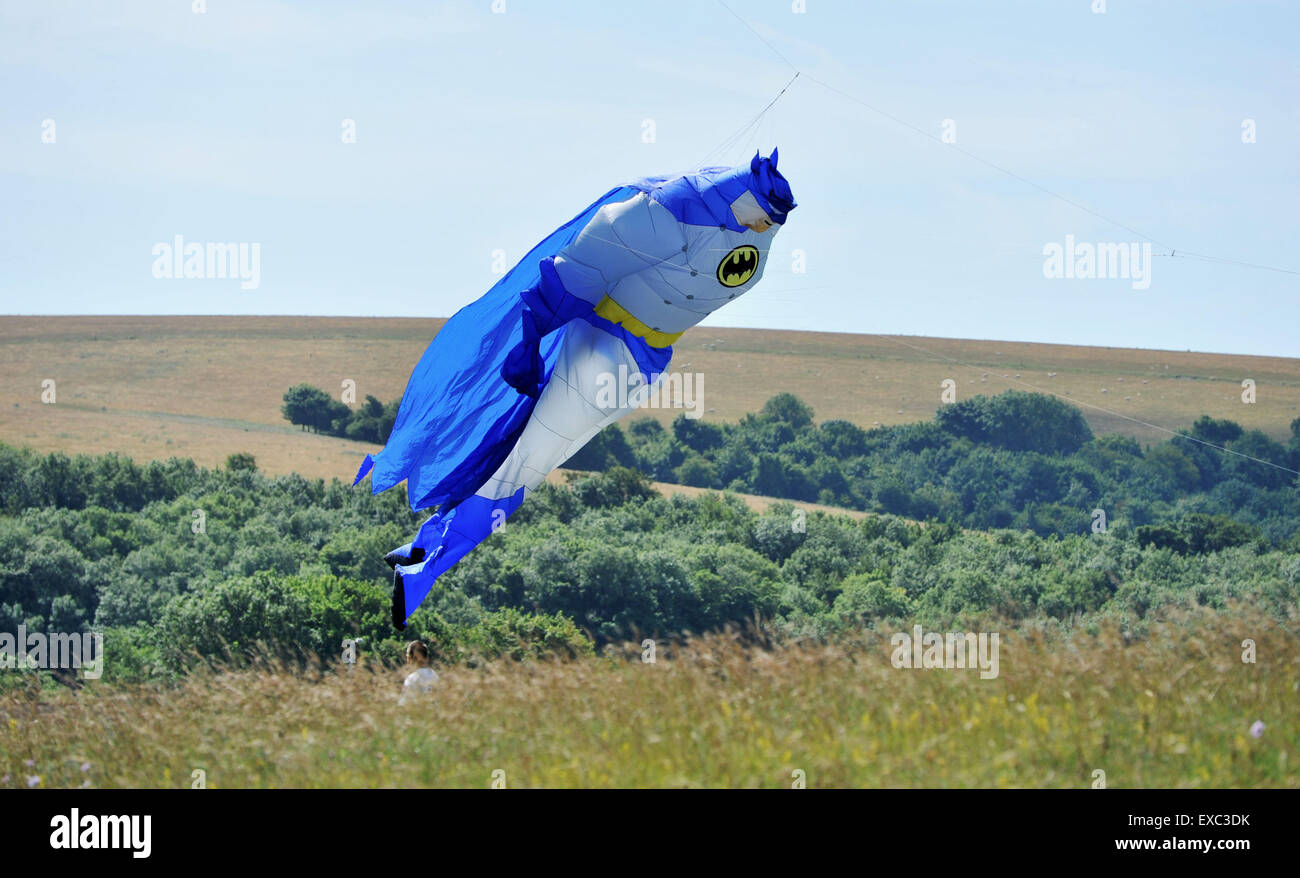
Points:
(1172, 707)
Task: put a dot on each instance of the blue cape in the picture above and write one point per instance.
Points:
(458, 419)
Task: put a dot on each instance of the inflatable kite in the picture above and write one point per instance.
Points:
(507, 390)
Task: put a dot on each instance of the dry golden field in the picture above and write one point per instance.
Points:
(205, 387)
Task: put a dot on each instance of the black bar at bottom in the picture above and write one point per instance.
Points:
(240, 827)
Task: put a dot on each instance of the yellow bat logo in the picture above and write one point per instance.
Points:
(738, 266)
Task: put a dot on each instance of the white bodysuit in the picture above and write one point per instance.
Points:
(666, 274)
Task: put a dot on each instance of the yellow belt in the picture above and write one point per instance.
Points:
(616, 313)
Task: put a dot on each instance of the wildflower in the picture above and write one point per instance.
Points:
(34, 780)
(1257, 728)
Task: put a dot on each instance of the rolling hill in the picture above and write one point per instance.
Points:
(206, 387)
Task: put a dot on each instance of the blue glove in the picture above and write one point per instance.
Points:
(547, 307)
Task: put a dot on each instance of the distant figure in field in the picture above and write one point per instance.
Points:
(421, 679)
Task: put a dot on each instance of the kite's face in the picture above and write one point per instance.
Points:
(750, 214)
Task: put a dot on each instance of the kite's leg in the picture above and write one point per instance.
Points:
(594, 383)
(582, 398)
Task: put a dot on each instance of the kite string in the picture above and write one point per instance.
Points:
(748, 126)
(1172, 252)
(1037, 388)
(750, 28)
(654, 261)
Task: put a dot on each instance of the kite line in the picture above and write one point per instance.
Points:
(1171, 251)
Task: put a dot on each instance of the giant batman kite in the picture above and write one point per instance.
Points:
(507, 390)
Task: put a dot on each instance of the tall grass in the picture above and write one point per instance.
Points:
(1173, 708)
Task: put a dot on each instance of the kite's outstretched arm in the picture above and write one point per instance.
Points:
(549, 306)
(620, 239)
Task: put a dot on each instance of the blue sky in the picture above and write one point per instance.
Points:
(478, 132)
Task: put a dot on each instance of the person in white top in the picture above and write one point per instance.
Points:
(420, 681)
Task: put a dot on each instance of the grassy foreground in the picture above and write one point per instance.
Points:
(1172, 708)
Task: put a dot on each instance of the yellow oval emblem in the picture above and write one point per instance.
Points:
(738, 266)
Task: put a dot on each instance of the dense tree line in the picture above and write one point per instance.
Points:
(1017, 460)
(177, 564)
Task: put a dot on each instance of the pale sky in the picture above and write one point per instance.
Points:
(478, 132)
